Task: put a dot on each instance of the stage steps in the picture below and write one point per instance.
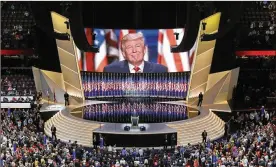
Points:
(188, 131)
(71, 129)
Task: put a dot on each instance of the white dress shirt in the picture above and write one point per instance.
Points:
(141, 152)
(109, 149)
(141, 66)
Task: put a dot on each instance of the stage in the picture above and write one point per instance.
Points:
(217, 89)
(153, 136)
(49, 110)
(118, 128)
(71, 126)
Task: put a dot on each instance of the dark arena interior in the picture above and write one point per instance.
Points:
(131, 84)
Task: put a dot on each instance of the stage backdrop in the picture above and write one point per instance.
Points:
(158, 43)
(168, 85)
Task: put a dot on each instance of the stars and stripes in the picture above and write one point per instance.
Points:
(100, 59)
(112, 43)
(89, 61)
(144, 84)
(176, 62)
(147, 110)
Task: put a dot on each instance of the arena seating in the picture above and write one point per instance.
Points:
(257, 82)
(17, 20)
(17, 82)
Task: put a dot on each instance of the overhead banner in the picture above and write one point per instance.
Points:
(256, 53)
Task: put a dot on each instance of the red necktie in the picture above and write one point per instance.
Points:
(136, 69)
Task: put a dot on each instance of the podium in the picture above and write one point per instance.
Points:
(134, 121)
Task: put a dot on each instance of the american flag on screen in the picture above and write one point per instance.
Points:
(176, 62)
(158, 44)
(111, 42)
(96, 62)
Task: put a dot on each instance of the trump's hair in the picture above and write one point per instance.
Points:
(132, 36)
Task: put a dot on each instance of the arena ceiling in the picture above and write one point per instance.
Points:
(254, 30)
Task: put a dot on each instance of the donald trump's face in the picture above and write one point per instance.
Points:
(134, 51)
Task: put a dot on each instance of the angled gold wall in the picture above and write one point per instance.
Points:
(68, 58)
(203, 59)
(220, 86)
(49, 81)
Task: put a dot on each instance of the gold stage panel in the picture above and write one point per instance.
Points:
(203, 58)
(51, 82)
(218, 87)
(68, 59)
(223, 84)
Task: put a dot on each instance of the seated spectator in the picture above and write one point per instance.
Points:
(124, 152)
(10, 88)
(28, 99)
(25, 92)
(5, 100)
(122, 162)
(109, 149)
(141, 152)
(14, 99)
(30, 92)
(117, 164)
(20, 99)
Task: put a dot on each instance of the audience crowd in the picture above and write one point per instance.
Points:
(257, 62)
(16, 100)
(23, 143)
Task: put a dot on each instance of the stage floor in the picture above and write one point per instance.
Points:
(151, 128)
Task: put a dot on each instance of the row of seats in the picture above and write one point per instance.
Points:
(17, 25)
(17, 82)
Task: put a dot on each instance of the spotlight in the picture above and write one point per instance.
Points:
(142, 128)
(204, 26)
(94, 36)
(127, 128)
(67, 24)
(176, 35)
